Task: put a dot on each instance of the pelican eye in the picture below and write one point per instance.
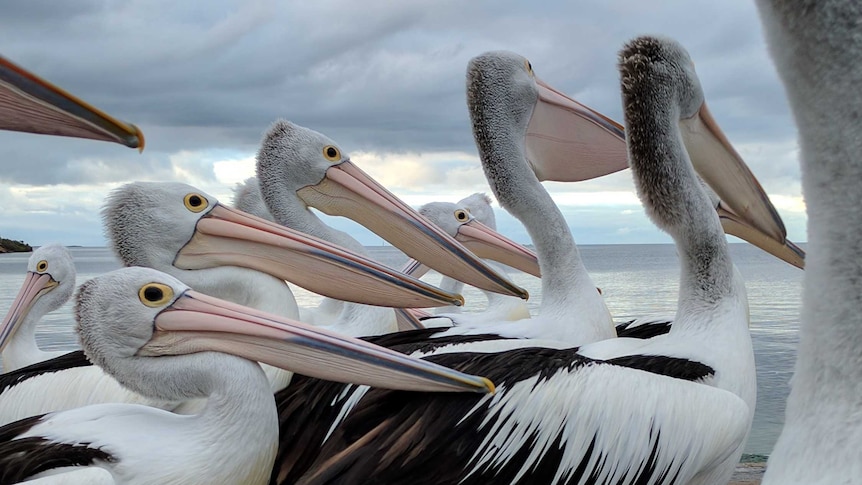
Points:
(155, 294)
(195, 202)
(462, 215)
(528, 66)
(331, 153)
(42, 266)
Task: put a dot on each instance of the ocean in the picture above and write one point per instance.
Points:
(636, 280)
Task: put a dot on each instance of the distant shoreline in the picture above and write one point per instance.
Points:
(11, 246)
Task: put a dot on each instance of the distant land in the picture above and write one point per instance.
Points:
(10, 246)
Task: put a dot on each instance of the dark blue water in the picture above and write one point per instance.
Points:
(636, 280)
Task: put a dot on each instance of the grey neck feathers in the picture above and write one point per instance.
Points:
(498, 133)
(816, 48)
(226, 381)
(672, 194)
(247, 198)
(290, 211)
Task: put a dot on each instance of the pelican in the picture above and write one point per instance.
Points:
(299, 168)
(471, 221)
(160, 338)
(220, 250)
(49, 283)
(31, 104)
(816, 48)
(672, 409)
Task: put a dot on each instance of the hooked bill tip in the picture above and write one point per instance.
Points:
(489, 385)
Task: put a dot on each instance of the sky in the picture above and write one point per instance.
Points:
(384, 79)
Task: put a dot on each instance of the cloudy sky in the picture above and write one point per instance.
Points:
(385, 79)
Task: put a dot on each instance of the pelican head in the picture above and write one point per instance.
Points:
(743, 206)
(471, 221)
(176, 226)
(133, 314)
(48, 285)
(562, 139)
(479, 206)
(295, 161)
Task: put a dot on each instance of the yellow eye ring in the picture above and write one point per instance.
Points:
(155, 294)
(528, 66)
(331, 153)
(195, 202)
(42, 266)
(462, 215)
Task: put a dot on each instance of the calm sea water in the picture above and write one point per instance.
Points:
(636, 280)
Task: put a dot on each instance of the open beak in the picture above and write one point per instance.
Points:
(196, 323)
(745, 209)
(29, 103)
(229, 237)
(348, 191)
(35, 285)
(560, 127)
(490, 244)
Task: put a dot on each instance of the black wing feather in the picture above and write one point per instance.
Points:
(397, 437)
(643, 331)
(308, 407)
(22, 458)
(63, 362)
(425, 340)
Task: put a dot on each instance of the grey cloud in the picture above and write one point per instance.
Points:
(381, 76)
(39, 160)
(386, 76)
(39, 12)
